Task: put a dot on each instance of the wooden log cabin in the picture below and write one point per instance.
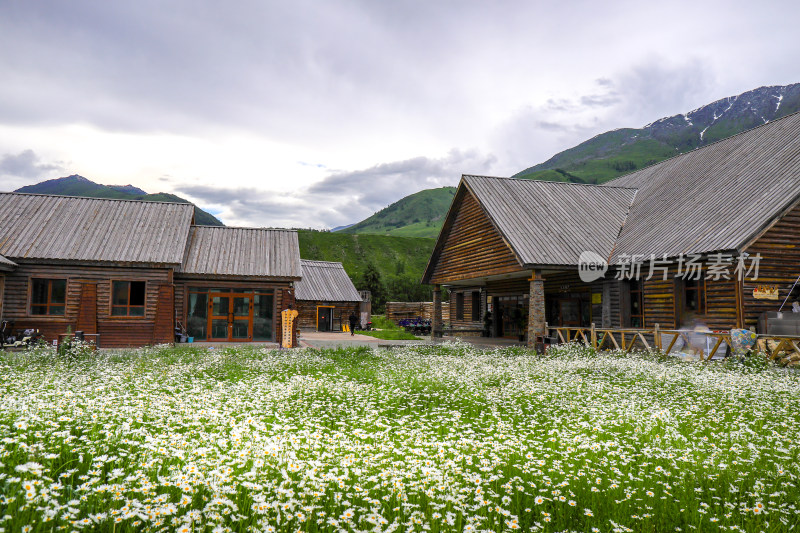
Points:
(729, 211)
(128, 271)
(234, 282)
(325, 296)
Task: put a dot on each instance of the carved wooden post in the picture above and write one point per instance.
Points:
(536, 309)
(436, 320)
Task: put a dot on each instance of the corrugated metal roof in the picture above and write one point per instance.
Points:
(229, 251)
(6, 264)
(551, 223)
(325, 281)
(34, 226)
(714, 198)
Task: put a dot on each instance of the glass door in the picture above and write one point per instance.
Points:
(241, 317)
(230, 317)
(218, 312)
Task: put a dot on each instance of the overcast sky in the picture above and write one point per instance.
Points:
(318, 114)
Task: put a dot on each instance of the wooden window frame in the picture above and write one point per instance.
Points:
(476, 306)
(49, 304)
(128, 306)
(679, 301)
(460, 306)
(639, 295)
(700, 289)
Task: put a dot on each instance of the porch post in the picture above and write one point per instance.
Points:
(436, 319)
(536, 309)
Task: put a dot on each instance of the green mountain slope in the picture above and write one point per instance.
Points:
(416, 215)
(79, 186)
(621, 151)
(400, 261)
(605, 156)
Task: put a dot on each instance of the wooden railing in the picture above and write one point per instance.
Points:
(665, 340)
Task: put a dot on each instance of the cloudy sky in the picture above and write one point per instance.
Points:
(317, 114)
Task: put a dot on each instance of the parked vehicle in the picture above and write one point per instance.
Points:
(417, 326)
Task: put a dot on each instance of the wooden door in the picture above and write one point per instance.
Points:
(230, 316)
(569, 311)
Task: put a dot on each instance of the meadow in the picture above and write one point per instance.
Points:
(443, 438)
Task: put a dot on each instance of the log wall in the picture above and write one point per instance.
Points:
(779, 247)
(466, 321)
(662, 302)
(114, 331)
(307, 317)
(473, 247)
(396, 311)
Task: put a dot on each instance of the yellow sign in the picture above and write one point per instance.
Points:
(597, 298)
(766, 292)
(287, 320)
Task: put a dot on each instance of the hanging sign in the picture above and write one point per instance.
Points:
(766, 292)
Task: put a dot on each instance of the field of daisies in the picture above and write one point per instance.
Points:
(444, 438)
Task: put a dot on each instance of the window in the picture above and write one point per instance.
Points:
(48, 296)
(197, 313)
(127, 298)
(694, 298)
(459, 306)
(476, 306)
(636, 304)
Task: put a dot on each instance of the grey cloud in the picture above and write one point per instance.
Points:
(656, 88)
(26, 164)
(343, 197)
(245, 206)
(383, 184)
(559, 104)
(644, 92)
(600, 100)
(296, 70)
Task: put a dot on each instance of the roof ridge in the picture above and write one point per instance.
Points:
(529, 180)
(320, 261)
(754, 128)
(94, 198)
(242, 227)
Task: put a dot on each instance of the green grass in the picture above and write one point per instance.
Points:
(440, 438)
(391, 335)
(388, 330)
(381, 322)
(400, 261)
(417, 215)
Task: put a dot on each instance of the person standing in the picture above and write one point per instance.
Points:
(353, 319)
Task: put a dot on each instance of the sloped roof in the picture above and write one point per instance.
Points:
(66, 228)
(230, 251)
(714, 198)
(6, 264)
(551, 223)
(325, 281)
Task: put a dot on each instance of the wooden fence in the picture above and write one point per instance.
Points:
(780, 348)
(396, 311)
